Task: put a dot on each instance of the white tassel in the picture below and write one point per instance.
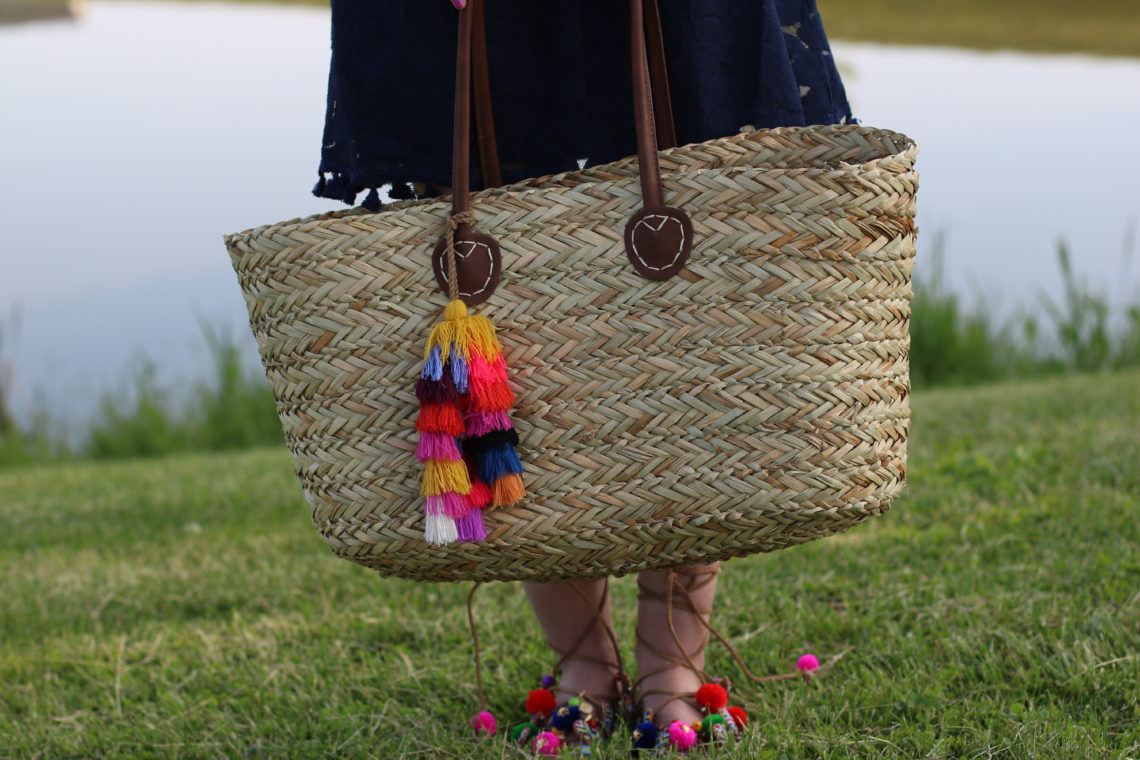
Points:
(440, 530)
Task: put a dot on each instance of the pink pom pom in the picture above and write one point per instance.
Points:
(547, 743)
(681, 735)
(484, 723)
(807, 663)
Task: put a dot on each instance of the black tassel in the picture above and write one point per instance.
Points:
(372, 201)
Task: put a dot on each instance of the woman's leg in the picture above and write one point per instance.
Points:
(671, 638)
(575, 616)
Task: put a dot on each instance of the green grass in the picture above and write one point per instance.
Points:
(184, 607)
(1104, 27)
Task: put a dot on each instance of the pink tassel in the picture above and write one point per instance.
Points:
(434, 505)
(437, 446)
(455, 504)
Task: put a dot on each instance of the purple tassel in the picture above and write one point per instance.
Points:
(437, 390)
(471, 527)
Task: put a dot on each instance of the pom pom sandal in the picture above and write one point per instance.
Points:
(581, 719)
(558, 717)
(719, 722)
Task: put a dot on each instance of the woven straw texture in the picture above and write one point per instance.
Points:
(759, 399)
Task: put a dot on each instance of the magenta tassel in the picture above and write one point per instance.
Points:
(437, 446)
(434, 505)
(481, 423)
(455, 504)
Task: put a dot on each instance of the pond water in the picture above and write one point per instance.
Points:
(135, 136)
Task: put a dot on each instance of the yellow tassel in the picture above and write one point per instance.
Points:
(442, 475)
(463, 331)
(481, 335)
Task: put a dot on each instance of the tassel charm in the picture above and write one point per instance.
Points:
(467, 440)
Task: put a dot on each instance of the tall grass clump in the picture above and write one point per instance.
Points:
(231, 408)
(21, 444)
(953, 343)
(1085, 338)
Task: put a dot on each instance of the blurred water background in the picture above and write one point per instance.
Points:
(134, 135)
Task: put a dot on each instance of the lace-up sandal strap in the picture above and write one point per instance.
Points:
(672, 696)
(670, 600)
(700, 577)
(671, 660)
(690, 605)
(621, 680)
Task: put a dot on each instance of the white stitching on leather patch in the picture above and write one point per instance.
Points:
(664, 218)
(472, 245)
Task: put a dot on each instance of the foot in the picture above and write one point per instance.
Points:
(671, 636)
(575, 616)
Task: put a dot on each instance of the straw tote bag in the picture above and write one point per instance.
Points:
(705, 348)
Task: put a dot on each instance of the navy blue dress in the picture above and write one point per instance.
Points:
(560, 84)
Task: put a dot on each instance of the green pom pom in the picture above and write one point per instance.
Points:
(523, 731)
(574, 702)
(709, 721)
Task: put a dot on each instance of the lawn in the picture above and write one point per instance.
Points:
(184, 607)
(1104, 27)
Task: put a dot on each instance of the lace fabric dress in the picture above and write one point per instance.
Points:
(560, 84)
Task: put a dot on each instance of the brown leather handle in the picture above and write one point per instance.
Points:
(481, 83)
(484, 117)
(658, 238)
(648, 166)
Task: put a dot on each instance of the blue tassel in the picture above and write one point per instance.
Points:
(458, 369)
(496, 462)
(319, 188)
(433, 367)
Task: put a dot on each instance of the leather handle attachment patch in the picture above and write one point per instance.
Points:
(477, 262)
(658, 240)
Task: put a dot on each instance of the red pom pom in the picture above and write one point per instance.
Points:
(738, 715)
(540, 701)
(712, 696)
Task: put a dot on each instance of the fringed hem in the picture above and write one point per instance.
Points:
(341, 186)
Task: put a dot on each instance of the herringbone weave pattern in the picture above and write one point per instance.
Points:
(758, 399)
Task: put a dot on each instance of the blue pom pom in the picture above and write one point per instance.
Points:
(645, 735)
(564, 717)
